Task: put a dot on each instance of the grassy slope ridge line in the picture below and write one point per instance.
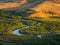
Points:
(45, 11)
(12, 4)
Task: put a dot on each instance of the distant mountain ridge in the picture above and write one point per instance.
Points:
(12, 4)
(42, 8)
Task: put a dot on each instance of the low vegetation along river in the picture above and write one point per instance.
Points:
(17, 31)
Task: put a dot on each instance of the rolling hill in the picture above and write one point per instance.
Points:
(42, 8)
(11, 4)
(46, 9)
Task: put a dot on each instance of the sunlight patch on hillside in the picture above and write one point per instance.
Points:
(46, 9)
(11, 4)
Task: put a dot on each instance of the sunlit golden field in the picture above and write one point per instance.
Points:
(11, 4)
(46, 9)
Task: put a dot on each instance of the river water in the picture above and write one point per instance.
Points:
(17, 31)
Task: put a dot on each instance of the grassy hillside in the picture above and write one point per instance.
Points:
(11, 4)
(46, 9)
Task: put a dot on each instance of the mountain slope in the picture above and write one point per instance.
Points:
(46, 9)
(42, 8)
(18, 3)
(12, 4)
(27, 5)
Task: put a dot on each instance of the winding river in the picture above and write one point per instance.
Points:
(16, 31)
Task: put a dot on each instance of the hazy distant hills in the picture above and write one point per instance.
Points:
(10, 4)
(17, 5)
(42, 8)
(27, 5)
